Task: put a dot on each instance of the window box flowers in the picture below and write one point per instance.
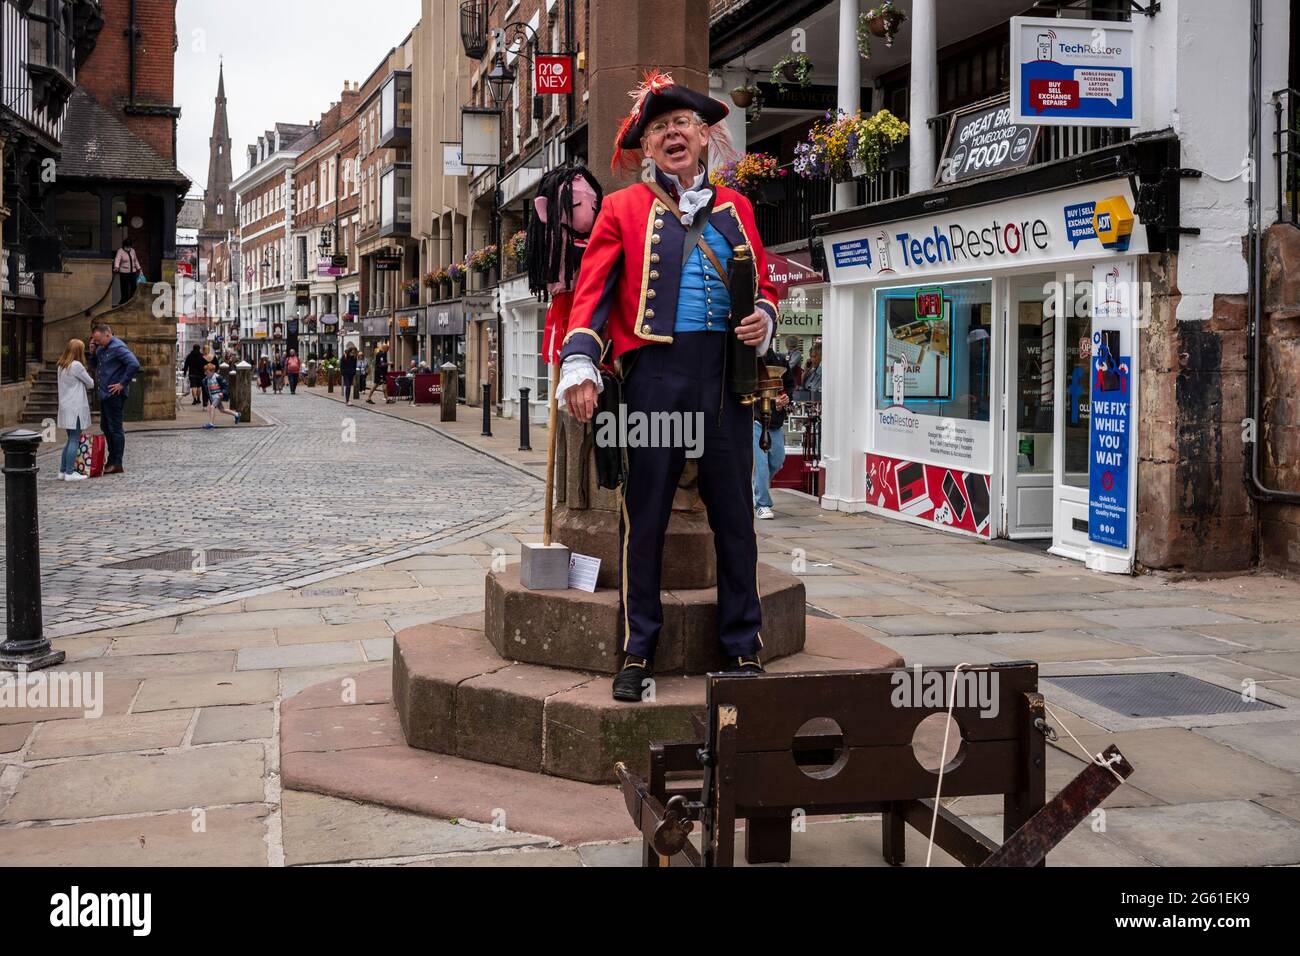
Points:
(848, 147)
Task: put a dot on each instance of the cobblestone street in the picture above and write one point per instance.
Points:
(321, 488)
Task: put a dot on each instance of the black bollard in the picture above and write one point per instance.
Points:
(487, 409)
(25, 645)
(524, 444)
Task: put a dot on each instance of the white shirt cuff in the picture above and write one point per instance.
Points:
(767, 342)
(576, 370)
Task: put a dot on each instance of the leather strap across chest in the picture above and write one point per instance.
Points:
(703, 246)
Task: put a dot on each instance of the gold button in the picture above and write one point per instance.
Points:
(659, 209)
(654, 240)
(649, 313)
(654, 273)
(659, 223)
(650, 294)
(654, 257)
(645, 329)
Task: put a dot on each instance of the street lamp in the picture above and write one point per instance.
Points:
(500, 80)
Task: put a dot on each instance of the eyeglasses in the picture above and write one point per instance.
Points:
(681, 124)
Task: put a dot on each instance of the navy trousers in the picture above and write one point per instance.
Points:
(686, 377)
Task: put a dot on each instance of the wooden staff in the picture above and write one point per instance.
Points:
(551, 430)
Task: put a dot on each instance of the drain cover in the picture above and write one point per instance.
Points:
(182, 559)
(1168, 694)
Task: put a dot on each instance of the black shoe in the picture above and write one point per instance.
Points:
(746, 667)
(628, 683)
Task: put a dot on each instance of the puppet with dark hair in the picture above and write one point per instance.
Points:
(567, 202)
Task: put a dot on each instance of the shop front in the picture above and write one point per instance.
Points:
(982, 371)
(445, 322)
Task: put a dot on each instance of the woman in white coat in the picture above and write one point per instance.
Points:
(74, 405)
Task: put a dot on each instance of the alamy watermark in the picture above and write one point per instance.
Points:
(921, 688)
(63, 690)
(625, 429)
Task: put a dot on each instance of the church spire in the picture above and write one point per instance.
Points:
(219, 199)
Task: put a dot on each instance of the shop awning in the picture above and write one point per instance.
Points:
(786, 273)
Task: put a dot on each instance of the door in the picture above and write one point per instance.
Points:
(1030, 409)
(1073, 419)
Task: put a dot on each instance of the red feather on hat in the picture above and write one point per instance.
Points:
(653, 81)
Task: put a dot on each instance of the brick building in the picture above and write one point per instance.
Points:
(265, 210)
(326, 198)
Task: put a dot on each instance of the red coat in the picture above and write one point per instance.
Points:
(631, 271)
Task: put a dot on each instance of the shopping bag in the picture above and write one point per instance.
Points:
(98, 455)
(83, 454)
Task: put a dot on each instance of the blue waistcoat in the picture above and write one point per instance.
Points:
(703, 301)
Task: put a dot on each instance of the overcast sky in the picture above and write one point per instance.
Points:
(285, 60)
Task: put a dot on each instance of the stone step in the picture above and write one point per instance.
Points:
(455, 695)
(581, 630)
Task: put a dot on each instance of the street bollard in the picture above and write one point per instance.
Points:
(487, 409)
(241, 400)
(25, 647)
(523, 420)
(450, 385)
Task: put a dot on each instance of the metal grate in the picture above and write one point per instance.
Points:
(1167, 694)
(181, 559)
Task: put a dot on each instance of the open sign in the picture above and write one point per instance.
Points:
(553, 74)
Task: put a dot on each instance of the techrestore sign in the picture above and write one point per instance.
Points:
(1040, 230)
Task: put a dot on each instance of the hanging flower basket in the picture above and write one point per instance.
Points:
(847, 147)
(456, 272)
(883, 21)
(751, 175)
(484, 260)
(517, 246)
(744, 96)
(795, 69)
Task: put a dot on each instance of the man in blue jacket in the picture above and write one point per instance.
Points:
(114, 367)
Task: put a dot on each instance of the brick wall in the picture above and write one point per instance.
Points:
(107, 71)
(1279, 524)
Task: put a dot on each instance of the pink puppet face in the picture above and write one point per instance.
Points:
(584, 206)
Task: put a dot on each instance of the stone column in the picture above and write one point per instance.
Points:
(849, 93)
(924, 101)
(242, 387)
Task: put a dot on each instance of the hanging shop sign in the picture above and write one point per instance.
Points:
(787, 273)
(447, 319)
(552, 73)
(453, 163)
(1110, 424)
(1068, 224)
(480, 136)
(1073, 72)
(984, 140)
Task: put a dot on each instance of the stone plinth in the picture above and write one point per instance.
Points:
(455, 695)
(689, 557)
(580, 630)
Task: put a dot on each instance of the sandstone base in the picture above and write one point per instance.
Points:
(454, 694)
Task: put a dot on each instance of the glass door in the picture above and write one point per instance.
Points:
(1073, 419)
(1031, 405)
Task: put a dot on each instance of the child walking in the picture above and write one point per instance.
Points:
(216, 388)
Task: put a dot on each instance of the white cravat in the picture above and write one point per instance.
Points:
(694, 199)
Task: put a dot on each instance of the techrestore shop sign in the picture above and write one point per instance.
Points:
(1079, 223)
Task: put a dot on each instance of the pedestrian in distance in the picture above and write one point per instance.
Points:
(277, 373)
(74, 405)
(768, 463)
(115, 367)
(292, 368)
(126, 266)
(381, 375)
(193, 368)
(361, 370)
(264, 373)
(348, 371)
(218, 389)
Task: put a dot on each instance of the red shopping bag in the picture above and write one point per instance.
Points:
(98, 455)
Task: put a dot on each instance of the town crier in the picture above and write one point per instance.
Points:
(652, 303)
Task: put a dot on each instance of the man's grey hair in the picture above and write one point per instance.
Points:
(103, 327)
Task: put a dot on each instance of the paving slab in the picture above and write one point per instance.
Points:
(1258, 636)
(294, 680)
(116, 697)
(1183, 766)
(1277, 662)
(323, 829)
(14, 736)
(399, 596)
(239, 722)
(234, 836)
(82, 648)
(1288, 806)
(313, 597)
(436, 562)
(77, 738)
(344, 727)
(526, 857)
(1219, 834)
(447, 788)
(372, 685)
(1277, 744)
(1055, 646)
(298, 655)
(156, 665)
(328, 633)
(249, 620)
(1166, 640)
(157, 644)
(129, 783)
(1196, 617)
(205, 690)
(1083, 846)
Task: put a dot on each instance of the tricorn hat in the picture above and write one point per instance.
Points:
(657, 95)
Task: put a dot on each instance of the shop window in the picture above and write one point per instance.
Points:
(933, 374)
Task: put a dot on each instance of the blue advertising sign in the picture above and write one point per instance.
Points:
(1078, 222)
(1073, 72)
(855, 253)
(1109, 446)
